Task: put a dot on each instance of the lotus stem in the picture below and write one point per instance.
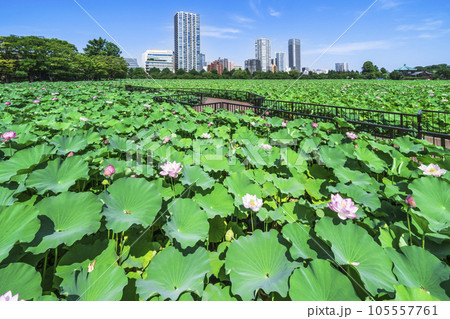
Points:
(408, 216)
(423, 240)
(56, 258)
(45, 265)
(251, 219)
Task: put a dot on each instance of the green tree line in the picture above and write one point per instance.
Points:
(33, 58)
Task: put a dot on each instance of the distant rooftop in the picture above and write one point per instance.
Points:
(405, 68)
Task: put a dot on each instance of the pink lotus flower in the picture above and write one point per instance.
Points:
(55, 99)
(252, 202)
(252, 123)
(109, 102)
(351, 135)
(182, 116)
(134, 176)
(209, 124)
(315, 125)
(174, 112)
(284, 124)
(345, 208)
(94, 97)
(444, 100)
(206, 135)
(106, 141)
(7, 103)
(36, 101)
(161, 110)
(55, 93)
(166, 139)
(267, 113)
(409, 200)
(9, 297)
(432, 169)
(267, 147)
(171, 169)
(109, 171)
(7, 136)
(70, 154)
(147, 105)
(84, 119)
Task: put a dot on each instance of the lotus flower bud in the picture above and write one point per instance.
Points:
(315, 125)
(7, 103)
(410, 201)
(109, 171)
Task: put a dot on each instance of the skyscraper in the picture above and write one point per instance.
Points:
(294, 54)
(187, 41)
(253, 65)
(280, 61)
(262, 53)
(342, 67)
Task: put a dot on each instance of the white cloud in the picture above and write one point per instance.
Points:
(389, 4)
(274, 13)
(242, 20)
(255, 5)
(215, 32)
(351, 47)
(426, 25)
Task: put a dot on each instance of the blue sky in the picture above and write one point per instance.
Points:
(391, 33)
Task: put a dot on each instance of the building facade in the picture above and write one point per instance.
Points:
(262, 53)
(160, 59)
(280, 61)
(342, 67)
(187, 41)
(132, 63)
(294, 54)
(253, 65)
(202, 59)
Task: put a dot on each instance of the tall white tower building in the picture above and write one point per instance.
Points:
(280, 61)
(187, 41)
(294, 55)
(262, 53)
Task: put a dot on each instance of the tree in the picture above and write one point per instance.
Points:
(138, 73)
(383, 70)
(194, 72)
(101, 47)
(180, 72)
(395, 75)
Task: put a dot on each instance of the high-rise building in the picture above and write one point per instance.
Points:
(253, 65)
(294, 54)
(280, 61)
(132, 63)
(230, 66)
(160, 59)
(342, 67)
(187, 41)
(224, 63)
(262, 53)
(202, 59)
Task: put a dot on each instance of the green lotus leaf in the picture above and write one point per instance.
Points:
(298, 235)
(240, 185)
(407, 145)
(308, 145)
(188, 223)
(258, 262)
(6, 196)
(217, 258)
(105, 283)
(120, 143)
(293, 159)
(290, 186)
(18, 223)
(352, 245)
(130, 201)
(369, 158)
(217, 203)
(195, 175)
(217, 293)
(432, 198)
(68, 217)
(59, 175)
(359, 196)
(217, 229)
(320, 282)
(416, 267)
(67, 144)
(213, 162)
(170, 274)
(313, 188)
(22, 279)
(363, 181)
(403, 293)
(332, 157)
(24, 160)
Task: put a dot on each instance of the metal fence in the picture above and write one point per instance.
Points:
(433, 126)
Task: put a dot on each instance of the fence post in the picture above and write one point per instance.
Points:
(419, 124)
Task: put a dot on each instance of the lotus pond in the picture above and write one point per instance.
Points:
(397, 96)
(107, 195)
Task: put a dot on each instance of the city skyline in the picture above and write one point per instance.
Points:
(390, 34)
